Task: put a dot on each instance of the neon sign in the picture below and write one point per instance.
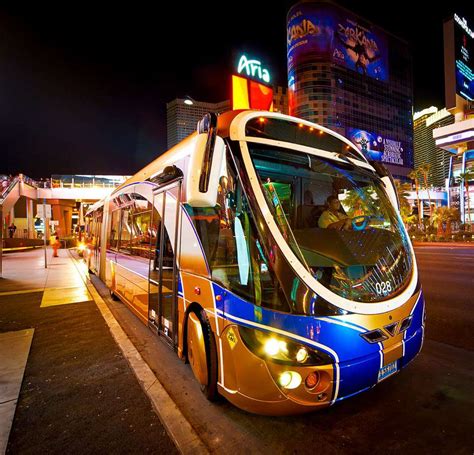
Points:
(463, 23)
(253, 68)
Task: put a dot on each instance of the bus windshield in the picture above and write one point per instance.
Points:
(338, 220)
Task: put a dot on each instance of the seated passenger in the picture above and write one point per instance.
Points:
(332, 217)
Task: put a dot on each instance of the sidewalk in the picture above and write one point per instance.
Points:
(78, 393)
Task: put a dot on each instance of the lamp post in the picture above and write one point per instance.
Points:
(188, 100)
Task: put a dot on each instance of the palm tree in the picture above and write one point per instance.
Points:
(446, 215)
(424, 170)
(452, 216)
(359, 201)
(414, 175)
(465, 176)
(405, 208)
(439, 217)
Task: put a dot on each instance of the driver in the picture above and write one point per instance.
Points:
(332, 217)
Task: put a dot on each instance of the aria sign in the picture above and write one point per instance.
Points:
(253, 69)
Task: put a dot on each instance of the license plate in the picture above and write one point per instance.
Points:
(388, 370)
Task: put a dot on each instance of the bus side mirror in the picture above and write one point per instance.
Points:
(387, 179)
(205, 170)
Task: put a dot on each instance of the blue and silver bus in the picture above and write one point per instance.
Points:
(270, 255)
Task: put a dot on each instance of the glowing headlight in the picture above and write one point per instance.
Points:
(280, 349)
(81, 247)
(289, 380)
(302, 355)
(273, 346)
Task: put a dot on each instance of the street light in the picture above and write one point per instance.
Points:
(188, 100)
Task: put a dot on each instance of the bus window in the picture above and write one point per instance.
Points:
(235, 254)
(125, 231)
(140, 241)
(114, 230)
(241, 259)
(352, 240)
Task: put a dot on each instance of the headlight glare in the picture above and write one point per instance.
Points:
(281, 349)
(290, 380)
(302, 355)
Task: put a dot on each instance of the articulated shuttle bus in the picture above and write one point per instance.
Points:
(270, 254)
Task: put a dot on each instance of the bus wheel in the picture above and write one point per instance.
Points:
(202, 353)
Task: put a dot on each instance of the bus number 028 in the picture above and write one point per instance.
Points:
(382, 288)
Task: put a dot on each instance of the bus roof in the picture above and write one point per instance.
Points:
(184, 148)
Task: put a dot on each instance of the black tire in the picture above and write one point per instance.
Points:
(114, 296)
(210, 389)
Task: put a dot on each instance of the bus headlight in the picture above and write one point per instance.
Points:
(281, 349)
(290, 380)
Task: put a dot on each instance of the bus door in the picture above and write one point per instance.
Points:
(163, 278)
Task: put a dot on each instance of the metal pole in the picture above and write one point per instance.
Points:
(44, 236)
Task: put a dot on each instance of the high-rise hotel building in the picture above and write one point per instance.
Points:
(182, 116)
(353, 77)
(425, 149)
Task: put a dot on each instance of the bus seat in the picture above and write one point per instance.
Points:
(309, 215)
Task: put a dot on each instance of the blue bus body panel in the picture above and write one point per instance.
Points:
(358, 361)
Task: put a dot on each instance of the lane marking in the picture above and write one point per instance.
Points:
(65, 296)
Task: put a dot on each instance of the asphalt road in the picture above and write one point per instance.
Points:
(447, 277)
(427, 408)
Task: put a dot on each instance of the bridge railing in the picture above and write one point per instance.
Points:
(80, 181)
(7, 183)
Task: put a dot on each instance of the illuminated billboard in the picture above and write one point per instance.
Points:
(464, 48)
(324, 32)
(251, 87)
(250, 94)
(378, 148)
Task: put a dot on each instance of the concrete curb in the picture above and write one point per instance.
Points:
(180, 430)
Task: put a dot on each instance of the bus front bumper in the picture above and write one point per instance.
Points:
(255, 385)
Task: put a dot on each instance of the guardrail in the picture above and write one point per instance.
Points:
(57, 181)
(6, 188)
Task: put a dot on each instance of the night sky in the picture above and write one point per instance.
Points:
(83, 89)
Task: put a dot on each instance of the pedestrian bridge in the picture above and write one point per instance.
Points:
(68, 196)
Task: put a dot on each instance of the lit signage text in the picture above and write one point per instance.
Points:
(463, 23)
(304, 28)
(253, 68)
(465, 135)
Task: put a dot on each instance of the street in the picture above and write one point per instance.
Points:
(447, 277)
(426, 408)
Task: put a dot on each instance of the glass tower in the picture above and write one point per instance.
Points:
(353, 77)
